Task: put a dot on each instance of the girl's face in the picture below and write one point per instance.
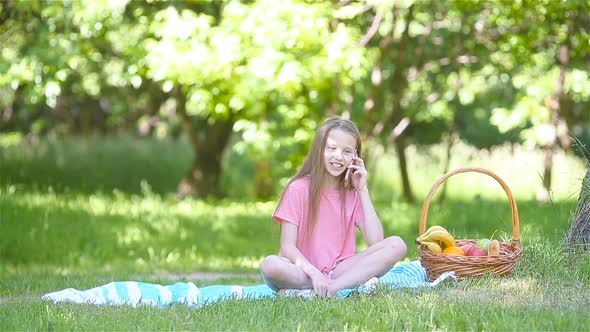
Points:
(338, 153)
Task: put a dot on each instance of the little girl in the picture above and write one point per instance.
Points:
(318, 212)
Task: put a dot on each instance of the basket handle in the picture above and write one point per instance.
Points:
(515, 222)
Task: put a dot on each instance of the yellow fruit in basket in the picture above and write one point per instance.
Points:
(432, 246)
(453, 251)
(443, 236)
(428, 231)
(439, 235)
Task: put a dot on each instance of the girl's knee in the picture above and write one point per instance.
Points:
(267, 265)
(274, 271)
(396, 244)
(268, 271)
(271, 266)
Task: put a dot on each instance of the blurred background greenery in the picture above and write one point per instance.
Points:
(238, 88)
(148, 140)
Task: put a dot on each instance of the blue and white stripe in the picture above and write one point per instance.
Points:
(133, 293)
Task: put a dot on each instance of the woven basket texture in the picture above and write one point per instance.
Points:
(471, 266)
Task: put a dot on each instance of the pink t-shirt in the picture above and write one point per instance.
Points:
(331, 242)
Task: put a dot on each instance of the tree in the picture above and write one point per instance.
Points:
(578, 236)
(261, 74)
(217, 63)
(237, 66)
(545, 41)
(429, 60)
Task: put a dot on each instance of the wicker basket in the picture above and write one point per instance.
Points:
(467, 266)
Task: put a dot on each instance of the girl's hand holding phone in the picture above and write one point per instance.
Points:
(357, 173)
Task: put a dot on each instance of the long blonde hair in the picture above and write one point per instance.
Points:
(313, 166)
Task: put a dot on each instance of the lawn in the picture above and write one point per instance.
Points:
(83, 213)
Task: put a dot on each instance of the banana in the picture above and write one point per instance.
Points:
(445, 237)
(429, 230)
(432, 246)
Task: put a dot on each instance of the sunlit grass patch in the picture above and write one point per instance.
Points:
(140, 232)
(521, 168)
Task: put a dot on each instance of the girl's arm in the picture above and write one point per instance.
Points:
(371, 227)
(289, 250)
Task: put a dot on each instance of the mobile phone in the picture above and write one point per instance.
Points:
(347, 175)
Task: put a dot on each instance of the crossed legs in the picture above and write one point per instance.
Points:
(279, 273)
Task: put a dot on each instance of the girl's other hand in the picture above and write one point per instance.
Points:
(321, 285)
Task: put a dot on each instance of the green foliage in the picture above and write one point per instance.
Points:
(476, 129)
(241, 66)
(535, 49)
(91, 165)
(277, 68)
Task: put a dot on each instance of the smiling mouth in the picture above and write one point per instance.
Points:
(337, 165)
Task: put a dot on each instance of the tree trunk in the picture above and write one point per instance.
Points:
(399, 85)
(5, 116)
(263, 181)
(400, 148)
(374, 122)
(208, 145)
(578, 236)
(555, 105)
(374, 102)
(450, 143)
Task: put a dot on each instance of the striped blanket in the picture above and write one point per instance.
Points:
(133, 293)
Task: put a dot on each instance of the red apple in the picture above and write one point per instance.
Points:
(476, 251)
(465, 247)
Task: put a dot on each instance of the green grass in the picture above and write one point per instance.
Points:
(84, 213)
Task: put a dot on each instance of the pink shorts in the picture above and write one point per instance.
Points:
(328, 274)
